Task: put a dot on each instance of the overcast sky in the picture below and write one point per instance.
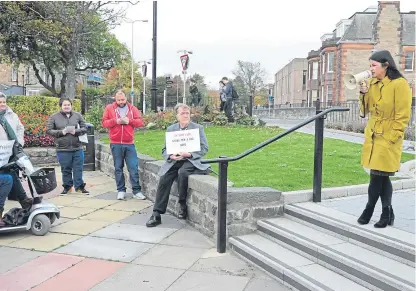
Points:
(221, 32)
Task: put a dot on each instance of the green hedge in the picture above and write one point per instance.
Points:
(38, 105)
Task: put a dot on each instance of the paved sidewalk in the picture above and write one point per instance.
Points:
(353, 137)
(101, 243)
(403, 204)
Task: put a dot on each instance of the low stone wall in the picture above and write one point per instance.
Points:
(42, 156)
(293, 113)
(244, 206)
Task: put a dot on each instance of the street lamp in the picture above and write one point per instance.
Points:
(185, 52)
(132, 49)
(144, 84)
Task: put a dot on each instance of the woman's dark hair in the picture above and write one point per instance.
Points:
(221, 82)
(62, 100)
(384, 57)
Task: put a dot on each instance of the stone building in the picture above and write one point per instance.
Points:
(23, 81)
(290, 83)
(346, 50)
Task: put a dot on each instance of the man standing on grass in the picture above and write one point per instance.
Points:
(121, 118)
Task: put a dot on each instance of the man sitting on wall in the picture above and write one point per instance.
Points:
(179, 165)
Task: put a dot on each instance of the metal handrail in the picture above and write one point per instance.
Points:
(273, 139)
(223, 167)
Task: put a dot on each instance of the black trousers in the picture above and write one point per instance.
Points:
(180, 170)
(17, 193)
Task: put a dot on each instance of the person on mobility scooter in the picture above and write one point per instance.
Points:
(6, 183)
(12, 129)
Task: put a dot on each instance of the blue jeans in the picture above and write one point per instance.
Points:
(72, 164)
(6, 183)
(121, 153)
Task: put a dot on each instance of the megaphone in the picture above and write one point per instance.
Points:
(351, 81)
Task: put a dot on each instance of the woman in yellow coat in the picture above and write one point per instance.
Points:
(387, 99)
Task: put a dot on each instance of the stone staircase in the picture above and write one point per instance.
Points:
(313, 247)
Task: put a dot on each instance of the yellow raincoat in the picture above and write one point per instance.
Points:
(389, 104)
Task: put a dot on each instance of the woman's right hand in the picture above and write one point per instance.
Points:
(363, 87)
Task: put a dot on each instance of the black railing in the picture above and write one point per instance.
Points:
(223, 168)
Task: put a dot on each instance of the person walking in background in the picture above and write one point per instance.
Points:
(66, 126)
(11, 128)
(121, 118)
(388, 101)
(229, 102)
(222, 96)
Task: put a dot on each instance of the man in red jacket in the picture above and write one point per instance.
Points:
(121, 118)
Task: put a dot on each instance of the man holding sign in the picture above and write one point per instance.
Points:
(185, 145)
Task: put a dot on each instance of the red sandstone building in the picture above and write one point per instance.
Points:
(347, 49)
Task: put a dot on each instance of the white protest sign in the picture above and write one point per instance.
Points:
(6, 151)
(183, 141)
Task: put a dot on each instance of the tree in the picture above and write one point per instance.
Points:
(65, 37)
(119, 77)
(251, 76)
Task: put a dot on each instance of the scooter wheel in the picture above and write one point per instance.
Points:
(40, 225)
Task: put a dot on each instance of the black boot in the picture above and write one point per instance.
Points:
(366, 215)
(391, 222)
(385, 218)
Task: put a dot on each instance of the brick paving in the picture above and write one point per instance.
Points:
(101, 243)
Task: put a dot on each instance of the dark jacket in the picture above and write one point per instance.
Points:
(228, 90)
(66, 143)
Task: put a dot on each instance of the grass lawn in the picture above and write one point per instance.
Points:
(286, 165)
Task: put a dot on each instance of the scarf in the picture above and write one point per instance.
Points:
(6, 125)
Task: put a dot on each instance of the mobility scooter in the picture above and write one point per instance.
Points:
(42, 214)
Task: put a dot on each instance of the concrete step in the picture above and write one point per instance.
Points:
(363, 266)
(390, 242)
(288, 267)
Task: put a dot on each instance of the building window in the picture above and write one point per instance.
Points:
(323, 64)
(304, 78)
(331, 62)
(409, 61)
(15, 72)
(314, 70)
(33, 92)
(329, 93)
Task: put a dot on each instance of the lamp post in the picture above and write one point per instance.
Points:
(132, 50)
(145, 63)
(185, 52)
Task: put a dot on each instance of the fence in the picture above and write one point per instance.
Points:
(351, 116)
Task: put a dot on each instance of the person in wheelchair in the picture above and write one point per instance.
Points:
(6, 183)
(12, 129)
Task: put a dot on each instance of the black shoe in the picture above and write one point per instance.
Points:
(82, 190)
(154, 220)
(66, 190)
(183, 212)
(366, 215)
(385, 218)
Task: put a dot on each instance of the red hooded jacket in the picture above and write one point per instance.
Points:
(121, 133)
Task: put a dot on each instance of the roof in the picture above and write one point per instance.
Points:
(361, 28)
(408, 33)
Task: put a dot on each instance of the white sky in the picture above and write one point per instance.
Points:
(221, 32)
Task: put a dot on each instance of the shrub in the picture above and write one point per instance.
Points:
(38, 105)
(95, 116)
(33, 112)
(220, 120)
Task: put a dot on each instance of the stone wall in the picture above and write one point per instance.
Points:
(244, 206)
(293, 113)
(42, 156)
